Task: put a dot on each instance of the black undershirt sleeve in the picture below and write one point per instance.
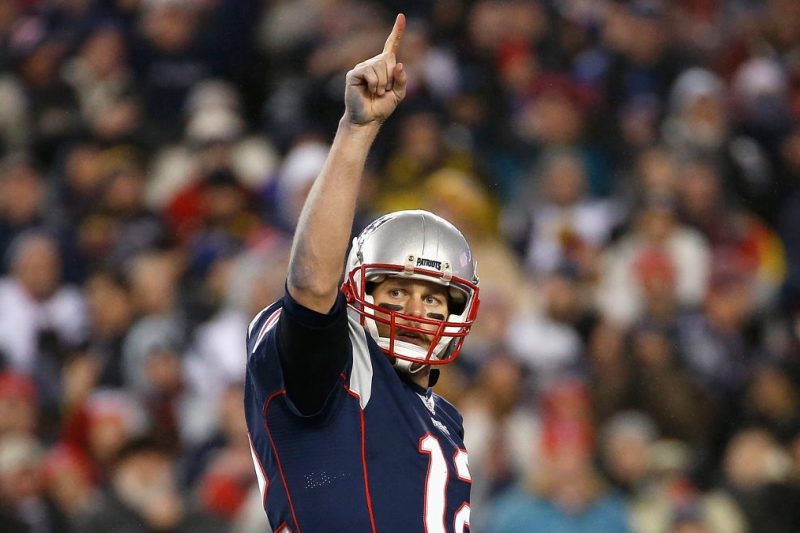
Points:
(313, 348)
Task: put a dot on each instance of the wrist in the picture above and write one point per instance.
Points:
(369, 129)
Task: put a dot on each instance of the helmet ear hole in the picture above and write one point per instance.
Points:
(456, 302)
(373, 281)
(370, 287)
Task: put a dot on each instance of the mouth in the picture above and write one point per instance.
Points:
(413, 337)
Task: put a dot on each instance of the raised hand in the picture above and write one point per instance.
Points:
(375, 86)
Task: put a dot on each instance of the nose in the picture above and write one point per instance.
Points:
(415, 307)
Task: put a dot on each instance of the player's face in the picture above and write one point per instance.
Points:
(411, 297)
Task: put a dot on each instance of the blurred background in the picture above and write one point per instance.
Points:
(628, 173)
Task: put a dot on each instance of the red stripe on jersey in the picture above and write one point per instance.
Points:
(277, 457)
(268, 324)
(364, 459)
(465, 478)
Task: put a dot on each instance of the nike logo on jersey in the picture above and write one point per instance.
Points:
(441, 427)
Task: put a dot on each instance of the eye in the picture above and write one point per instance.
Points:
(433, 300)
(396, 293)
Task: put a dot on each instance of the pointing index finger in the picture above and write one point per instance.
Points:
(393, 41)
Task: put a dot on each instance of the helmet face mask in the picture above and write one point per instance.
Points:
(414, 245)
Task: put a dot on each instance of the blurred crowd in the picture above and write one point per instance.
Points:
(627, 171)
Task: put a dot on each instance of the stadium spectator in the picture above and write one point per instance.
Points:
(143, 496)
(40, 318)
(24, 504)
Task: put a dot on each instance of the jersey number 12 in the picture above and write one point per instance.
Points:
(436, 486)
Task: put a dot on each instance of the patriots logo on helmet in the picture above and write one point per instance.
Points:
(422, 262)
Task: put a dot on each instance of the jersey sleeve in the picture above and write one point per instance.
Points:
(308, 349)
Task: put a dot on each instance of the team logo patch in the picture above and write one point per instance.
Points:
(422, 262)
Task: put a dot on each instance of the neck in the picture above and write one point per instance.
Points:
(421, 378)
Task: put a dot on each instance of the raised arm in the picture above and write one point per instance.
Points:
(373, 90)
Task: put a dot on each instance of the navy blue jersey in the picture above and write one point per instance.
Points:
(378, 453)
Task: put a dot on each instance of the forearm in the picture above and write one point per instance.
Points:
(373, 89)
(325, 224)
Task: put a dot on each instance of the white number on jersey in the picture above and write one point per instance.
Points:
(436, 486)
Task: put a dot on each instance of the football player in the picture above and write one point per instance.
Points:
(345, 431)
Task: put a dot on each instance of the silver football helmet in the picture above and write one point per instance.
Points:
(416, 245)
